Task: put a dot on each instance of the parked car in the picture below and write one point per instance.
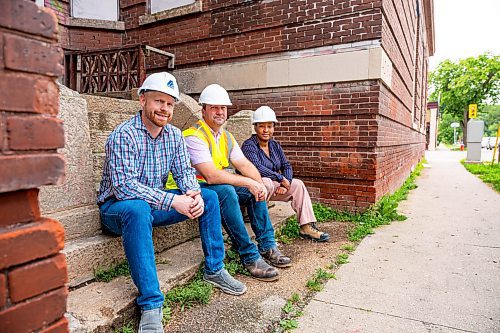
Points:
(485, 141)
(488, 142)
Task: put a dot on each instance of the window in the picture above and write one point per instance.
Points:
(95, 9)
(40, 3)
(161, 5)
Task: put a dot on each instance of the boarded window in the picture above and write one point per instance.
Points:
(161, 5)
(95, 9)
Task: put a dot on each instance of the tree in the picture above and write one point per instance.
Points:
(468, 81)
(490, 114)
(445, 132)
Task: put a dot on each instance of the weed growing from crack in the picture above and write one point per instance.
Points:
(289, 324)
(342, 259)
(292, 311)
(319, 278)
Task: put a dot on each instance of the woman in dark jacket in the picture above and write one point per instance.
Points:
(276, 172)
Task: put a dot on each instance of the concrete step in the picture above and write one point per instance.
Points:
(85, 255)
(102, 307)
(79, 222)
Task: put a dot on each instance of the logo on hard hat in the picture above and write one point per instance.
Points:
(170, 84)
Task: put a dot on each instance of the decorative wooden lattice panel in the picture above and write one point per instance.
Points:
(116, 70)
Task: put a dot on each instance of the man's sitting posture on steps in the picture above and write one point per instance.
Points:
(214, 153)
(140, 153)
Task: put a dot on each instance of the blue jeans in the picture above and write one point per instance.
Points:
(134, 221)
(230, 198)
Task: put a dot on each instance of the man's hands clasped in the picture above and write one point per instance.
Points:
(190, 204)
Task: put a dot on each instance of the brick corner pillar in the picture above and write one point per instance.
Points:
(33, 272)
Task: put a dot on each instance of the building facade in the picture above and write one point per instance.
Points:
(347, 78)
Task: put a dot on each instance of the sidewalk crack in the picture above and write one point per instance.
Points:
(395, 316)
(487, 246)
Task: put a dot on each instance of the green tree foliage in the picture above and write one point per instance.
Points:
(445, 132)
(474, 80)
(490, 114)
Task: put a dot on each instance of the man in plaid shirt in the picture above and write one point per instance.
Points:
(140, 153)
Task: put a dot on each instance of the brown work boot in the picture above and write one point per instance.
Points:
(310, 231)
(260, 270)
(276, 258)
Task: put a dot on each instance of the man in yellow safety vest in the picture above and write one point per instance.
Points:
(216, 155)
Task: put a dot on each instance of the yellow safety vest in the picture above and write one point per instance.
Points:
(220, 152)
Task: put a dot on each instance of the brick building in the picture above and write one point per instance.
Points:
(33, 273)
(347, 78)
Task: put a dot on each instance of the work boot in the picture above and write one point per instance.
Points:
(151, 321)
(310, 231)
(224, 281)
(260, 270)
(276, 258)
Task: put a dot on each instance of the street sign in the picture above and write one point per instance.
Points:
(472, 110)
(455, 125)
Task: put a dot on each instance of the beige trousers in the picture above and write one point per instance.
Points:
(301, 201)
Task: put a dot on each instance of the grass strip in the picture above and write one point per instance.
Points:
(383, 212)
(487, 172)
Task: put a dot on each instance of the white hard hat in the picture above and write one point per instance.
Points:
(163, 82)
(214, 94)
(264, 114)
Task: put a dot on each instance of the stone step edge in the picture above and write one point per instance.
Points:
(85, 255)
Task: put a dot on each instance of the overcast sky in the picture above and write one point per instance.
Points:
(465, 28)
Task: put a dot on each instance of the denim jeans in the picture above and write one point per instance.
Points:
(134, 221)
(230, 198)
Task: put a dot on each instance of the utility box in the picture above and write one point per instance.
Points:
(475, 131)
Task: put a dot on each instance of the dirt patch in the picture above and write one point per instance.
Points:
(259, 310)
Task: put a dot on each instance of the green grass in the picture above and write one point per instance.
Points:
(126, 328)
(289, 231)
(347, 247)
(342, 259)
(108, 274)
(487, 172)
(292, 311)
(289, 324)
(186, 296)
(233, 264)
(319, 278)
(195, 292)
(383, 212)
(198, 292)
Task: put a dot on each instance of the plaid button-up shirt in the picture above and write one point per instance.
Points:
(137, 165)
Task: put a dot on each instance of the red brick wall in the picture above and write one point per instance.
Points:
(401, 144)
(351, 142)
(32, 271)
(254, 28)
(329, 134)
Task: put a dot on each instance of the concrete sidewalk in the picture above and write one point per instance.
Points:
(438, 271)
